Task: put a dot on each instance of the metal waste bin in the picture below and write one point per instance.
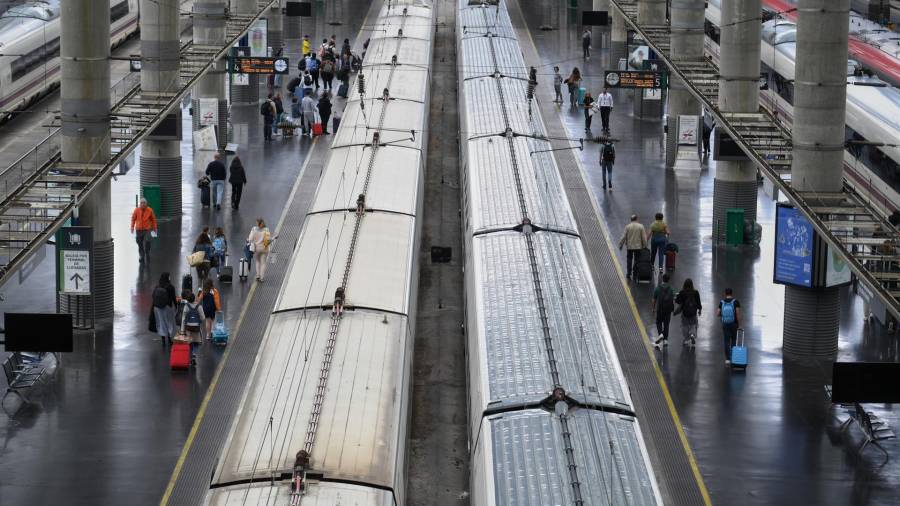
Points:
(734, 227)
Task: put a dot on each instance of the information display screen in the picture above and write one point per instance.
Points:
(645, 79)
(794, 242)
(260, 65)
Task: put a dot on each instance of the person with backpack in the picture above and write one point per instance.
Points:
(607, 159)
(306, 85)
(279, 112)
(574, 83)
(729, 312)
(690, 307)
(164, 301)
(260, 240)
(659, 238)
(312, 65)
(663, 306)
(220, 248)
(192, 322)
(267, 111)
(586, 44)
(324, 107)
(635, 239)
(328, 70)
(209, 300)
(237, 178)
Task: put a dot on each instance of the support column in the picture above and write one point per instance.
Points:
(735, 182)
(84, 104)
(249, 93)
(598, 33)
(618, 36)
(275, 24)
(209, 29)
(161, 159)
(650, 13)
(686, 44)
(811, 316)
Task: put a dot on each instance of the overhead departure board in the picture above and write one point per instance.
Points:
(645, 79)
(260, 65)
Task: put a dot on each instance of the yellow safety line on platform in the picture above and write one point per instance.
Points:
(215, 381)
(695, 469)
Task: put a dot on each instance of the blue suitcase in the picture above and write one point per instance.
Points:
(739, 351)
(220, 331)
(579, 97)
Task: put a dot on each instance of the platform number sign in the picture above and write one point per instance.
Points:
(644, 79)
(74, 263)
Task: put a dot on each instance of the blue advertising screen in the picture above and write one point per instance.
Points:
(793, 248)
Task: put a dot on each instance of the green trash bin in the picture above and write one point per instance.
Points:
(153, 194)
(734, 227)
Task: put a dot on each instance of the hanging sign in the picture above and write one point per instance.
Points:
(73, 246)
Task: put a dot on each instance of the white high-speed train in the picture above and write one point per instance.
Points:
(873, 109)
(324, 419)
(551, 420)
(29, 44)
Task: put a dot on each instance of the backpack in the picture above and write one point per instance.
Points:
(666, 302)
(209, 302)
(313, 65)
(219, 244)
(301, 65)
(689, 306)
(328, 68)
(192, 316)
(160, 297)
(265, 109)
(307, 80)
(728, 312)
(609, 153)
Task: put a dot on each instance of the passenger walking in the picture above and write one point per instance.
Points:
(220, 248)
(588, 111)
(306, 85)
(729, 311)
(586, 43)
(144, 227)
(217, 175)
(204, 244)
(557, 85)
(574, 83)
(607, 159)
(328, 71)
(209, 300)
(605, 101)
(238, 179)
(164, 301)
(324, 107)
(192, 321)
(312, 65)
(308, 107)
(279, 112)
(634, 239)
(658, 237)
(260, 240)
(267, 110)
(345, 49)
(690, 307)
(663, 306)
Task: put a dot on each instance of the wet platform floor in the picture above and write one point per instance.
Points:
(767, 436)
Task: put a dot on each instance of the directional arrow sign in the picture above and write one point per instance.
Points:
(76, 266)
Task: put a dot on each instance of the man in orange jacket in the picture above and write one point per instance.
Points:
(143, 224)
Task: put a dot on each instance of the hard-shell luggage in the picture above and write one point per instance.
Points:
(343, 89)
(204, 196)
(671, 256)
(739, 351)
(187, 283)
(226, 274)
(317, 129)
(643, 266)
(579, 97)
(220, 331)
(335, 123)
(180, 356)
(243, 268)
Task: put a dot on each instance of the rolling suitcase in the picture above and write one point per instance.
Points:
(220, 331)
(671, 256)
(579, 97)
(643, 266)
(739, 351)
(226, 274)
(180, 356)
(243, 268)
(204, 196)
(342, 90)
(317, 129)
(187, 283)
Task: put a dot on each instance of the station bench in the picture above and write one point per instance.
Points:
(20, 374)
(874, 429)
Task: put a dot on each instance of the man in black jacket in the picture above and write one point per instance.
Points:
(237, 179)
(216, 172)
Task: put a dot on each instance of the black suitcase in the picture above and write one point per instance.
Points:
(643, 266)
(187, 283)
(204, 196)
(226, 274)
(343, 90)
(644, 256)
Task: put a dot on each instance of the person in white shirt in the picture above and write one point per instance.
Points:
(557, 85)
(260, 241)
(605, 101)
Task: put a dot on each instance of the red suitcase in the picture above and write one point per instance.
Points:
(317, 129)
(180, 358)
(671, 255)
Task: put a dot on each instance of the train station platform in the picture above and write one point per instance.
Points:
(110, 422)
(766, 436)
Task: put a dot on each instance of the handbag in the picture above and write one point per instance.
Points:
(196, 258)
(151, 323)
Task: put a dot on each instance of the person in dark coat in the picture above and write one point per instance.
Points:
(238, 179)
(324, 112)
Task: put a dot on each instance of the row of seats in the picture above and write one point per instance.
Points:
(22, 372)
(872, 427)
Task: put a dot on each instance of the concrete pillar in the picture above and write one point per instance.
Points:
(249, 93)
(811, 317)
(275, 24)
(686, 44)
(618, 36)
(209, 30)
(161, 160)
(651, 12)
(84, 104)
(735, 182)
(597, 32)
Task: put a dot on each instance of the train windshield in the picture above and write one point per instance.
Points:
(28, 13)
